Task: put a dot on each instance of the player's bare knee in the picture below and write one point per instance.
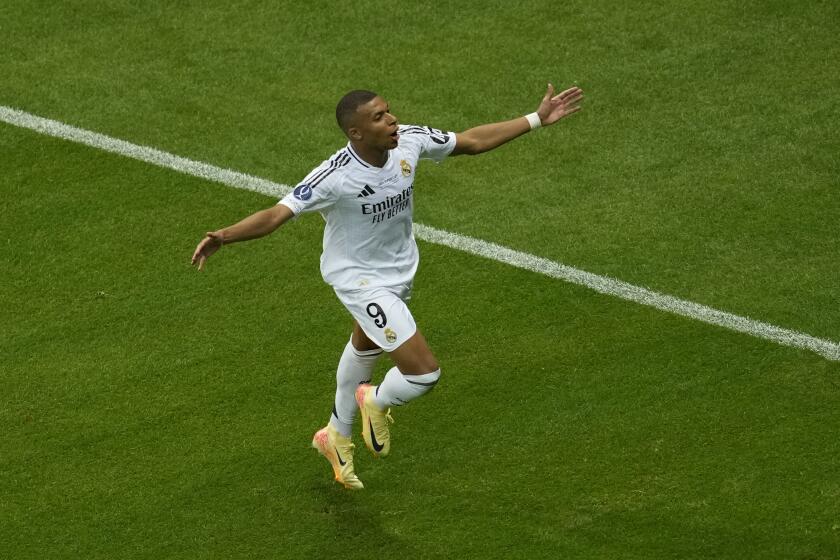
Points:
(427, 363)
(431, 365)
(422, 364)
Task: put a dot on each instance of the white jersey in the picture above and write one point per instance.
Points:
(368, 239)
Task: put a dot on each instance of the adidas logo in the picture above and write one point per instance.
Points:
(367, 191)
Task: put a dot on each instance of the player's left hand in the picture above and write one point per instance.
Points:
(555, 107)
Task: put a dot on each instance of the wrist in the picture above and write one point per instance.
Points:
(534, 120)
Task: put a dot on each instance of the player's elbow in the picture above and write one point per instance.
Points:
(278, 215)
(470, 145)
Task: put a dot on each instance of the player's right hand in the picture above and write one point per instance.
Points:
(209, 245)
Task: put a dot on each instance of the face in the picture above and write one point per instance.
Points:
(375, 126)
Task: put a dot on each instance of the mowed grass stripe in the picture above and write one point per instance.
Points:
(787, 337)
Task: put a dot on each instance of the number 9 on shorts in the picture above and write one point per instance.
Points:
(382, 313)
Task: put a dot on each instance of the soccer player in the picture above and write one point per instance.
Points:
(365, 194)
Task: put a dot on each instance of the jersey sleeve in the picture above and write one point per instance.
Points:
(316, 192)
(434, 144)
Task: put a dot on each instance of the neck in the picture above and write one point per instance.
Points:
(373, 156)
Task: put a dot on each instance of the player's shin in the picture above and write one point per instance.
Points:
(354, 368)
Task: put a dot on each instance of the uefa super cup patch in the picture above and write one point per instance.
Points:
(303, 192)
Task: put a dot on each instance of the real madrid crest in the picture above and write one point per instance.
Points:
(390, 336)
(406, 168)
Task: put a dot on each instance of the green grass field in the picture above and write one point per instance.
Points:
(150, 411)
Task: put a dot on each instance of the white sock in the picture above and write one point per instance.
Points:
(397, 389)
(354, 368)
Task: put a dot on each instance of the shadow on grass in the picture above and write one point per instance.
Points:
(356, 517)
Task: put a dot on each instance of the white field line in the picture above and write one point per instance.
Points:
(826, 348)
(143, 153)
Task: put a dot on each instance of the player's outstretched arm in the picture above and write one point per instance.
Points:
(489, 136)
(256, 225)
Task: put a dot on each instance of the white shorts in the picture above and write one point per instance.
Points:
(382, 313)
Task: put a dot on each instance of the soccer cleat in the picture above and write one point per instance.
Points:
(375, 422)
(338, 450)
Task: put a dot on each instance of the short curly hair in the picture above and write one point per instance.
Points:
(348, 105)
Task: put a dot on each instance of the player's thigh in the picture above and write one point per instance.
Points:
(414, 357)
(360, 340)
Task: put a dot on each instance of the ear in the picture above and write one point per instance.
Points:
(354, 133)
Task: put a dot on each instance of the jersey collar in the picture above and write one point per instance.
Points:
(362, 162)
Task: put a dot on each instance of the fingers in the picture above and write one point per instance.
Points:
(197, 253)
(569, 96)
(198, 257)
(203, 250)
(549, 93)
(568, 101)
(571, 110)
